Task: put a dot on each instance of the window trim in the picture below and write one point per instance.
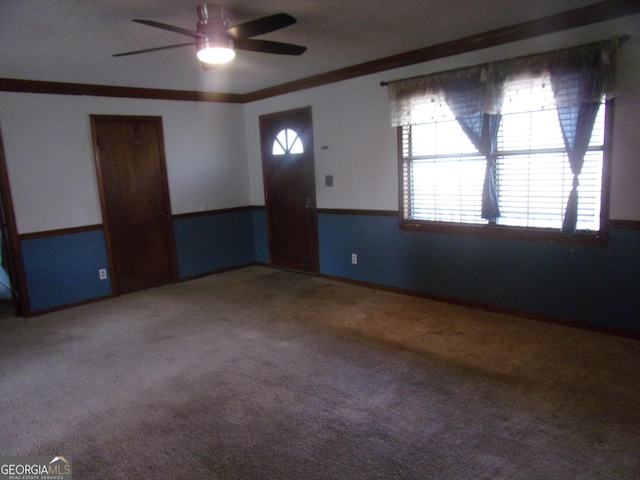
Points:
(491, 230)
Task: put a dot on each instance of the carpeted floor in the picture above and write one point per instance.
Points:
(266, 374)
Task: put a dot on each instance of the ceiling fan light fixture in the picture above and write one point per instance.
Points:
(216, 55)
(217, 47)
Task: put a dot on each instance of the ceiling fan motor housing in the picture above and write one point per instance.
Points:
(213, 24)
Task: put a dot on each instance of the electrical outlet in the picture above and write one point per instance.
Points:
(102, 273)
(354, 258)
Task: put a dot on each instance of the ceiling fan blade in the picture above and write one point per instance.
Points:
(260, 26)
(171, 28)
(152, 49)
(265, 46)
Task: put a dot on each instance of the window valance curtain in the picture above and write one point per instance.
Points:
(595, 59)
(580, 77)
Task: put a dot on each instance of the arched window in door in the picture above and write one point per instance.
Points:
(287, 141)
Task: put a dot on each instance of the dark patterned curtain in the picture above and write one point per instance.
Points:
(578, 87)
(466, 97)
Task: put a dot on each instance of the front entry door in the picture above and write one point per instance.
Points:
(290, 189)
(135, 201)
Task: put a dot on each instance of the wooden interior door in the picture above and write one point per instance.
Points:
(290, 189)
(135, 201)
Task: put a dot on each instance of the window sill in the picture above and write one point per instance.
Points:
(501, 231)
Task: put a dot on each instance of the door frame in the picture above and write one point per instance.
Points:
(16, 267)
(265, 118)
(164, 187)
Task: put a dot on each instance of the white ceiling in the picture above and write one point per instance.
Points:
(73, 40)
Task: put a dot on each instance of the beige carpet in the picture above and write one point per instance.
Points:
(265, 374)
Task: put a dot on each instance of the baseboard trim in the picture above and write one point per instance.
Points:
(215, 272)
(413, 293)
(490, 308)
(66, 306)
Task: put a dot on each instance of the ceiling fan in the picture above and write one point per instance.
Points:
(216, 42)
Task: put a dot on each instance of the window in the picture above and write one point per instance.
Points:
(528, 162)
(533, 172)
(287, 141)
(444, 171)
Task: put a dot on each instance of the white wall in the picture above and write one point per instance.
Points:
(352, 121)
(52, 174)
(213, 150)
(351, 118)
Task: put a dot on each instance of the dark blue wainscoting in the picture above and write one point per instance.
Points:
(212, 242)
(63, 269)
(260, 237)
(593, 285)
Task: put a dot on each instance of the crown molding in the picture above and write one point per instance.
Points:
(595, 13)
(62, 88)
(598, 12)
